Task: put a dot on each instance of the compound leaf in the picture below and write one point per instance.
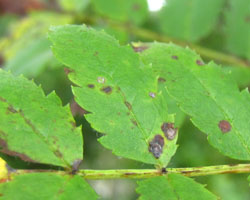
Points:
(173, 187)
(189, 19)
(35, 127)
(120, 93)
(210, 96)
(47, 186)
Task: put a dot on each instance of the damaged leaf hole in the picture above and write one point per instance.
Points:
(101, 80)
(107, 89)
(169, 130)
(152, 94)
(156, 146)
(224, 126)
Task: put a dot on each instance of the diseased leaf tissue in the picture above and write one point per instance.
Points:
(119, 91)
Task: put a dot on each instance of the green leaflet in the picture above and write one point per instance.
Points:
(208, 95)
(238, 27)
(27, 50)
(35, 127)
(135, 11)
(189, 19)
(49, 186)
(173, 187)
(117, 89)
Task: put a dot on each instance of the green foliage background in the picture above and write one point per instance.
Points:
(222, 25)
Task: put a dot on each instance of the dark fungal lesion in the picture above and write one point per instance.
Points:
(169, 130)
(156, 146)
(161, 80)
(91, 86)
(164, 170)
(107, 89)
(199, 62)
(174, 57)
(139, 48)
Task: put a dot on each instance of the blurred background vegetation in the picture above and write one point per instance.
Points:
(219, 30)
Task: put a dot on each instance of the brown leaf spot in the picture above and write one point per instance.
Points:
(247, 19)
(91, 86)
(156, 146)
(73, 124)
(151, 94)
(107, 89)
(224, 126)
(174, 57)
(11, 109)
(169, 130)
(134, 122)
(161, 80)
(128, 105)
(140, 48)
(4, 149)
(67, 70)
(2, 99)
(199, 62)
(58, 153)
(136, 7)
(96, 53)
